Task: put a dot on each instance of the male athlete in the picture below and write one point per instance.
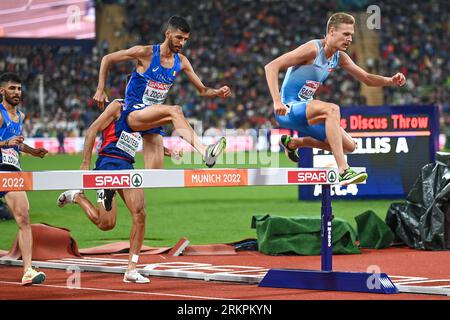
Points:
(116, 151)
(157, 66)
(316, 121)
(11, 143)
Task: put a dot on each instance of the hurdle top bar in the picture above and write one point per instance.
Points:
(165, 178)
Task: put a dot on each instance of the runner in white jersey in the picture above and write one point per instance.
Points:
(318, 122)
(156, 69)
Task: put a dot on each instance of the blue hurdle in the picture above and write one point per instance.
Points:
(327, 279)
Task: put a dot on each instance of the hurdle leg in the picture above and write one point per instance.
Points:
(327, 231)
(326, 279)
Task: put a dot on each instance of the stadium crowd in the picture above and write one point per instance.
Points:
(232, 49)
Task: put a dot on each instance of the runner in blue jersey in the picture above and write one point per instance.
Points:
(157, 66)
(11, 144)
(318, 122)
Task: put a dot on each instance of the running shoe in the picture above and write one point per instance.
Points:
(350, 176)
(291, 154)
(134, 277)
(213, 151)
(32, 277)
(67, 197)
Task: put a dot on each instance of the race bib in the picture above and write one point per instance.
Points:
(11, 157)
(129, 142)
(155, 93)
(308, 90)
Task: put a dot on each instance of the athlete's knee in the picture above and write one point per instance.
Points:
(177, 111)
(22, 217)
(350, 147)
(333, 110)
(107, 226)
(139, 215)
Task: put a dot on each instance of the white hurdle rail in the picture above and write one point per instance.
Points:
(164, 178)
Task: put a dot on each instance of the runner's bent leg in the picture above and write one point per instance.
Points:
(158, 115)
(318, 112)
(104, 220)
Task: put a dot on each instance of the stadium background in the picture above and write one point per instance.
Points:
(230, 43)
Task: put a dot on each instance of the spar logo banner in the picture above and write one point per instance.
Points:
(311, 177)
(116, 181)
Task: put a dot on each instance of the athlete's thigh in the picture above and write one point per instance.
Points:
(316, 111)
(153, 151)
(17, 201)
(154, 113)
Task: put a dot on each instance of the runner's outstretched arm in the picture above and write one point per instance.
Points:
(367, 78)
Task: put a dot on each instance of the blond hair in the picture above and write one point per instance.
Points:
(337, 18)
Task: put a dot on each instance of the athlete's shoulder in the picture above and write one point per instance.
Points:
(307, 51)
(182, 57)
(344, 58)
(311, 46)
(141, 50)
(184, 61)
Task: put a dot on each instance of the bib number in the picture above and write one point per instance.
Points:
(308, 90)
(11, 157)
(155, 93)
(128, 142)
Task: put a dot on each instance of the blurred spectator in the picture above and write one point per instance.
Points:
(232, 49)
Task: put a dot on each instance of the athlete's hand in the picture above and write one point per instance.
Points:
(40, 152)
(15, 141)
(399, 79)
(84, 166)
(224, 92)
(176, 154)
(100, 97)
(280, 109)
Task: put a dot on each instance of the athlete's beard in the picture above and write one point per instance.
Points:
(172, 47)
(12, 101)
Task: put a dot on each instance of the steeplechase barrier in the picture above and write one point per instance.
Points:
(324, 279)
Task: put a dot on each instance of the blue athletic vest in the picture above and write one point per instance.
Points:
(301, 82)
(8, 130)
(117, 140)
(152, 86)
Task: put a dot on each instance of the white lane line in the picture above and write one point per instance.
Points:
(425, 281)
(122, 291)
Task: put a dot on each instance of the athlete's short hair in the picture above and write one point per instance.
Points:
(340, 17)
(177, 22)
(9, 76)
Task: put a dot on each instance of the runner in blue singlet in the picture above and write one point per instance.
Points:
(157, 66)
(11, 143)
(318, 122)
